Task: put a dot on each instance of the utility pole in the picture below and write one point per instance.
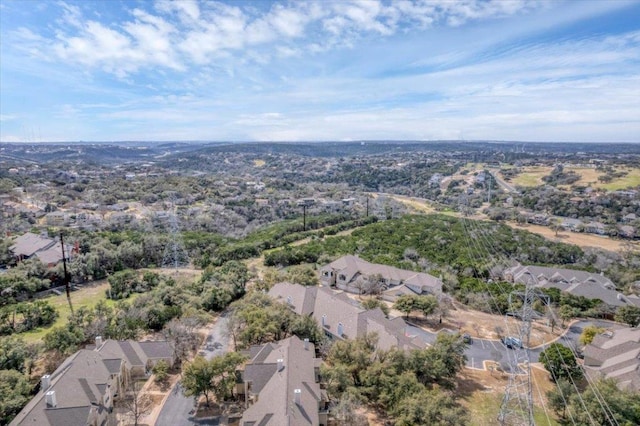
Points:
(67, 278)
(304, 217)
(367, 206)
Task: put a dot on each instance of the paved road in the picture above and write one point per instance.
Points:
(501, 182)
(178, 410)
(493, 350)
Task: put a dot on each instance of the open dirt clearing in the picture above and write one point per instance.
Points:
(578, 239)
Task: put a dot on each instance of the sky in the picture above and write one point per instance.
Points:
(340, 70)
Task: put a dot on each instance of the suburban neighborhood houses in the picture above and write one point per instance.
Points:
(615, 355)
(343, 318)
(355, 275)
(575, 282)
(83, 389)
(280, 385)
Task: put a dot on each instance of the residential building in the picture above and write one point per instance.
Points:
(355, 275)
(82, 390)
(615, 355)
(343, 318)
(280, 385)
(578, 283)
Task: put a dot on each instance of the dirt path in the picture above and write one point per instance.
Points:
(578, 239)
(256, 264)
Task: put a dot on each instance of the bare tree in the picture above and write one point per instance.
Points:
(182, 336)
(135, 403)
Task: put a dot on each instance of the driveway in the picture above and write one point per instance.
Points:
(493, 350)
(179, 410)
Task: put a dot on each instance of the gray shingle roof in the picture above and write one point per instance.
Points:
(275, 398)
(616, 355)
(337, 308)
(576, 282)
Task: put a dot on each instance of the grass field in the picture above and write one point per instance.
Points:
(482, 392)
(87, 296)
(631, 180)
(531, 176)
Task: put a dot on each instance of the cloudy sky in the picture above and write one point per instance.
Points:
(327, 70)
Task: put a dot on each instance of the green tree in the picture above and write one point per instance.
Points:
(303, 275)
(15, 392)
(13, 353)
(65, 339)
(567, 312)
(406, 304)
(588, 333)
(430, 407)
(373, 303)
(197, 378)
(215, 377)
(629, 315)
(161, 371)
(560, 362)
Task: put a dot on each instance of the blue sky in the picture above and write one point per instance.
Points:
(329, 70)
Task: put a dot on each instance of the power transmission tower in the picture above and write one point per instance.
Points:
(517, 404)
(175, 255)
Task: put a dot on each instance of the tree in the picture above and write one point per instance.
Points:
(588, 333)
(303, 275)
(372, 303)
(629, 315)
(65, 339)
(15, 392)
(560, 362)
(160, 371)
(13, 353)
(215, 377)
(567, 312)
(197, 378)
(136, 403)
(345, 411)
(427, 304)
(405, 303)
(559, 397)
(430, 407)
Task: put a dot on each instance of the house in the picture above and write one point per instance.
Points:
(355, 275)
(570, 224)
(44, 248)
(615, 355)
(343, 318)
(280, 385)
(83, 389)
(578, 283)
(629, 217)
(595, 228)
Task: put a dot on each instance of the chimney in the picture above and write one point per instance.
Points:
(340, 329)
(324, 321)
(306, 343)
(289, 300)
(98, 342)
(280, 364)
(50, 398)
(297, 394)
(45, 382)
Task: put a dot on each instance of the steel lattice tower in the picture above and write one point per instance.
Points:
(517, 404)
(175, 255)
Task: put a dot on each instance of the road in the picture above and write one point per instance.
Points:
(506, 186)
(482, 350)
(178, 409)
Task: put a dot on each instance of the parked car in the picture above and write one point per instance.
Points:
(466, 338)
(512, 342)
